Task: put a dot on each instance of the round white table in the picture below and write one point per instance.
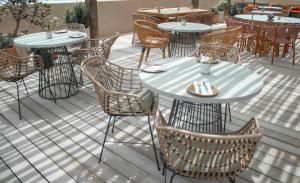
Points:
(264, 18)
(233, 82)
(272, 8)
(58, 79)
(268, 12)
(183, 40)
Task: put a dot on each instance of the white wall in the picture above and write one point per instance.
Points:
(113, 15)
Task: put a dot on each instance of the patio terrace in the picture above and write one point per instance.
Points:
(61, 142)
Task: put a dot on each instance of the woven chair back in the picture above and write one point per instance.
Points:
(204, 18)
(13, 68)
(114, 86)
(201, 155)
(149, 35)
(225, 36)
(102, 46)
(218, 52)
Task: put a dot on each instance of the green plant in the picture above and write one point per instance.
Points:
(222, 5)
(4, 40)
(78, 14)
(29, 10)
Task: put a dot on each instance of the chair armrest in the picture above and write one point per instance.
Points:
(250, 128)
(124, 79)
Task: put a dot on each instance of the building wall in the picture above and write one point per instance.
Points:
(115, 15)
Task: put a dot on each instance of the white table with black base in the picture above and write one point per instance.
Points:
(58, 79)
(202, 114)
(183, 36)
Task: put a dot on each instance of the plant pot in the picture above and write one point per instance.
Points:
(220, 17)
(49, 35)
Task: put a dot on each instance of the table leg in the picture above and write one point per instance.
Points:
(197, 117)
(182, 44)
(57, 79)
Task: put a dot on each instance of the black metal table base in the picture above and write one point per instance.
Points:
(58, 79)
(197, 117)
(182, 44)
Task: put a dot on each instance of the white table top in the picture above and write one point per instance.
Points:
(264, 18)
(270, 8)
(260, 12)
(39, 40)
(233, 81)
(188, 27)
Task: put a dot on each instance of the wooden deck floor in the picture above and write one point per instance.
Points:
(61, 142)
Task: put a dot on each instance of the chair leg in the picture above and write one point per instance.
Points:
(294, 53)
(113, 125)
(142, 56)
(147, 54)
(104, 140)
(19, 105)
(133, 37)
(164, 52)
(171, 180)
(25, 86)
(229, 111)
(273, 54)
(169, 51)
(232, 179)
(165, 171)
(154, 148)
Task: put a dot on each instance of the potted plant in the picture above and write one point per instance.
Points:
(32, 11)
(220, 9)
(78, 14)
(50, 23)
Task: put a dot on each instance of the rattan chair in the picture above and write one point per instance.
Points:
(204, 18)
(218, 52)
(15, 69)
(277, 36)
(151, 37)
(120, 93)
(225, 36)
(143, 17)
(92, 47)
(206, 156)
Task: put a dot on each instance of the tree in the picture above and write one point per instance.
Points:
(32, 11)
(195, 3)
(94, 18)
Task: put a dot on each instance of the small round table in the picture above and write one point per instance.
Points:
(264, 18)
(233, 82)
(57, 80)
(183, 40)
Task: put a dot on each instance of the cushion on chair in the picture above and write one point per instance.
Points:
(145, 95)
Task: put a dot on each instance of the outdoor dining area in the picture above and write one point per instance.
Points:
(190, 92)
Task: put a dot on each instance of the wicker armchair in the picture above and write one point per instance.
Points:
(151, 37)
(143, 17)
(120, 93)
(206, 156)
(204, 18)
(225, 36)
(15, 69)
(218, 52)
(92, 47)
